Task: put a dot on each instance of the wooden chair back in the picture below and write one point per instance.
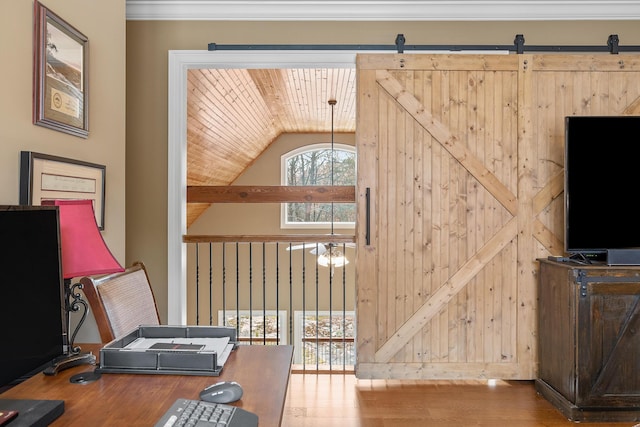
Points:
(121, 302)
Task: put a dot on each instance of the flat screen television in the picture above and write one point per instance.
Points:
(602, 178)
(32, 317)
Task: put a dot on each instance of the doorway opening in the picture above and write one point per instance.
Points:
(179, 64)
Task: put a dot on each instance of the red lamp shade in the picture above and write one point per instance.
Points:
(84, 252)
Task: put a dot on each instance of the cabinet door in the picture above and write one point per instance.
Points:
(609, 342)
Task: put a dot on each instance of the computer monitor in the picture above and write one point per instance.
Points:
(32, 317)
(601, 180)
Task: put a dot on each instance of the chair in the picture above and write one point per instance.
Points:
(121, 302)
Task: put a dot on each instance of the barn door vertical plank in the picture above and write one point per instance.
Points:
(367, 192)
(437, 344)
(526, 264)
(420, 275)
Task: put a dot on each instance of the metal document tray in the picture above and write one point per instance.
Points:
(115, 359)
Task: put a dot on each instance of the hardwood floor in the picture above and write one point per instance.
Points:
(342, 400)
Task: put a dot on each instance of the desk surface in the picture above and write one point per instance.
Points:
(140, 400)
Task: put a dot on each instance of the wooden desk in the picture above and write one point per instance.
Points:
(140, 400)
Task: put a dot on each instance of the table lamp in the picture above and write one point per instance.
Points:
(84, 253)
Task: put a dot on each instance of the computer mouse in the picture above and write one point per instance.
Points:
(222, 392)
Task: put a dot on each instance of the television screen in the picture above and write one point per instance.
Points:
(32, 317)
(602, 177)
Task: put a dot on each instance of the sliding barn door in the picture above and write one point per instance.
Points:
(460, 166)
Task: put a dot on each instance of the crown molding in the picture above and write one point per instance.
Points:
(382, 10)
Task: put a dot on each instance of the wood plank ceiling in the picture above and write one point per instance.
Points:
(233, 115)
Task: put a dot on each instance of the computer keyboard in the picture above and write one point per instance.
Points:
(198, 413)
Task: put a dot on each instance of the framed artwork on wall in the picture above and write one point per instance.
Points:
(60, 74)
(45, 177)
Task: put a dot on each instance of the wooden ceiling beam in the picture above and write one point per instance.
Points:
(270, 194)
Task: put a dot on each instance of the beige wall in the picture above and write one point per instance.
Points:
(148, 43)
(104, 25)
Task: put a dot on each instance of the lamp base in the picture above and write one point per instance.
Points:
(67, 361)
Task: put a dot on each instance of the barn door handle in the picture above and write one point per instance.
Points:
(367, 235)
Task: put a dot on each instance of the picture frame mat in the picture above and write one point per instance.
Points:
(45, 177)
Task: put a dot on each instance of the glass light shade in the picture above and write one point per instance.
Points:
(84, 252)
(332, 257)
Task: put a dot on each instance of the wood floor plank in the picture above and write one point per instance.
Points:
(344, 401)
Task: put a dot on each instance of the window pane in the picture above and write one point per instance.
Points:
(254, 324)
(321, 212)
(327, 338)
(321, 166)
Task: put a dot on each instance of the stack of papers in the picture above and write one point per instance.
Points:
(220, 346)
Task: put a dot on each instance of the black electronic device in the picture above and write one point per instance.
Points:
(222, 392)
(30, 412)
(32, 317)
(602, 176)
(191, 412)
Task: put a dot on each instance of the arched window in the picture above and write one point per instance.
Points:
(317, 164)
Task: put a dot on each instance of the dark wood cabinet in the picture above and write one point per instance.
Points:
(589, 340)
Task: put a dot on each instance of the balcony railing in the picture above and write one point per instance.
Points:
(278, 290)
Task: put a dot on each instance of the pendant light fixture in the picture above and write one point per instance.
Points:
(333, 256)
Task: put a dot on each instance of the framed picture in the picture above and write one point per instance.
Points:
(45, 177)
(60, 74)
